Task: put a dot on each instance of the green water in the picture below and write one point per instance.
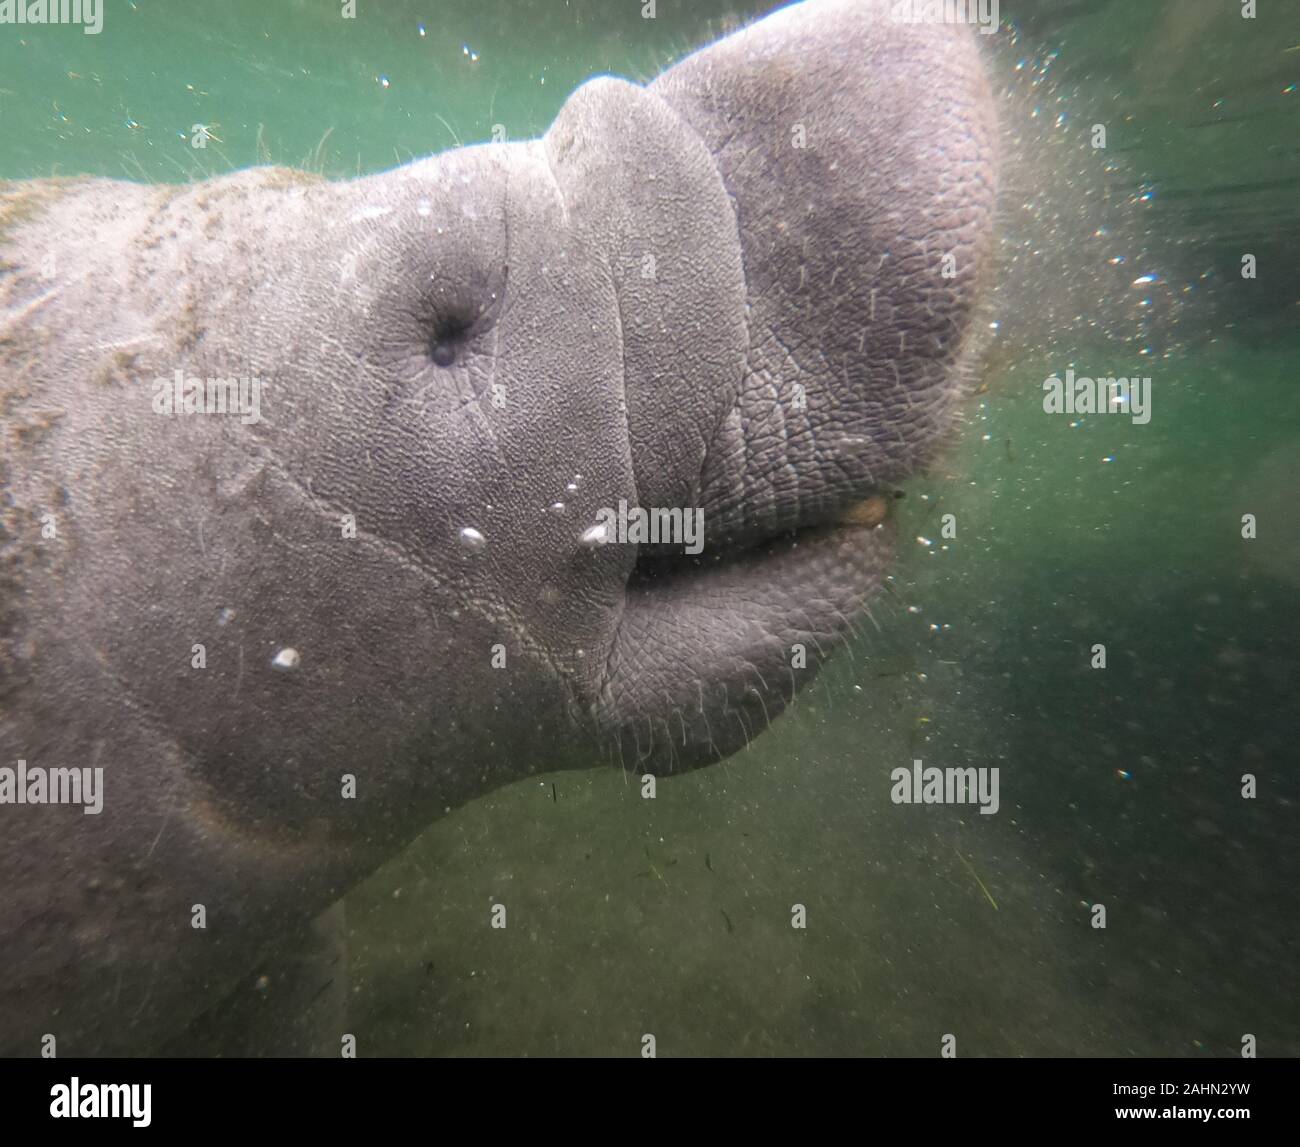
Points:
(1119, 786)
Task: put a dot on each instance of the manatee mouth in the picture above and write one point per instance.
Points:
(712, 647)
(871, 510)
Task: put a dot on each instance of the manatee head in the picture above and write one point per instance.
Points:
(743, 291)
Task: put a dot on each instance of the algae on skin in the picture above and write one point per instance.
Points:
(20, 202)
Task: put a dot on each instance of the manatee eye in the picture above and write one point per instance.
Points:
(443, 352)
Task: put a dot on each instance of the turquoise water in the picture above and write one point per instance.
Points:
(1120, 787)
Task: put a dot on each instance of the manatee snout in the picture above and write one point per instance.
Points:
(852, 161)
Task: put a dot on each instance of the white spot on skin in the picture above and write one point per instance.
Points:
(286, 659)
(372, 212)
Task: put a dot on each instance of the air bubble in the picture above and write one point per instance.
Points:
(472, 540)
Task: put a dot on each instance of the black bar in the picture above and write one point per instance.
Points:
(369, 1095)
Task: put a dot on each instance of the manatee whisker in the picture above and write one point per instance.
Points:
(759, 695)
(751, 665)
(811, 634)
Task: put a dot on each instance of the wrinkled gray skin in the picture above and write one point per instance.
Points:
(522, 265)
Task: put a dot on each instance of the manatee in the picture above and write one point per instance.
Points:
(303, 485)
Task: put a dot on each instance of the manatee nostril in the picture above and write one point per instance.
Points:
(450, 334)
